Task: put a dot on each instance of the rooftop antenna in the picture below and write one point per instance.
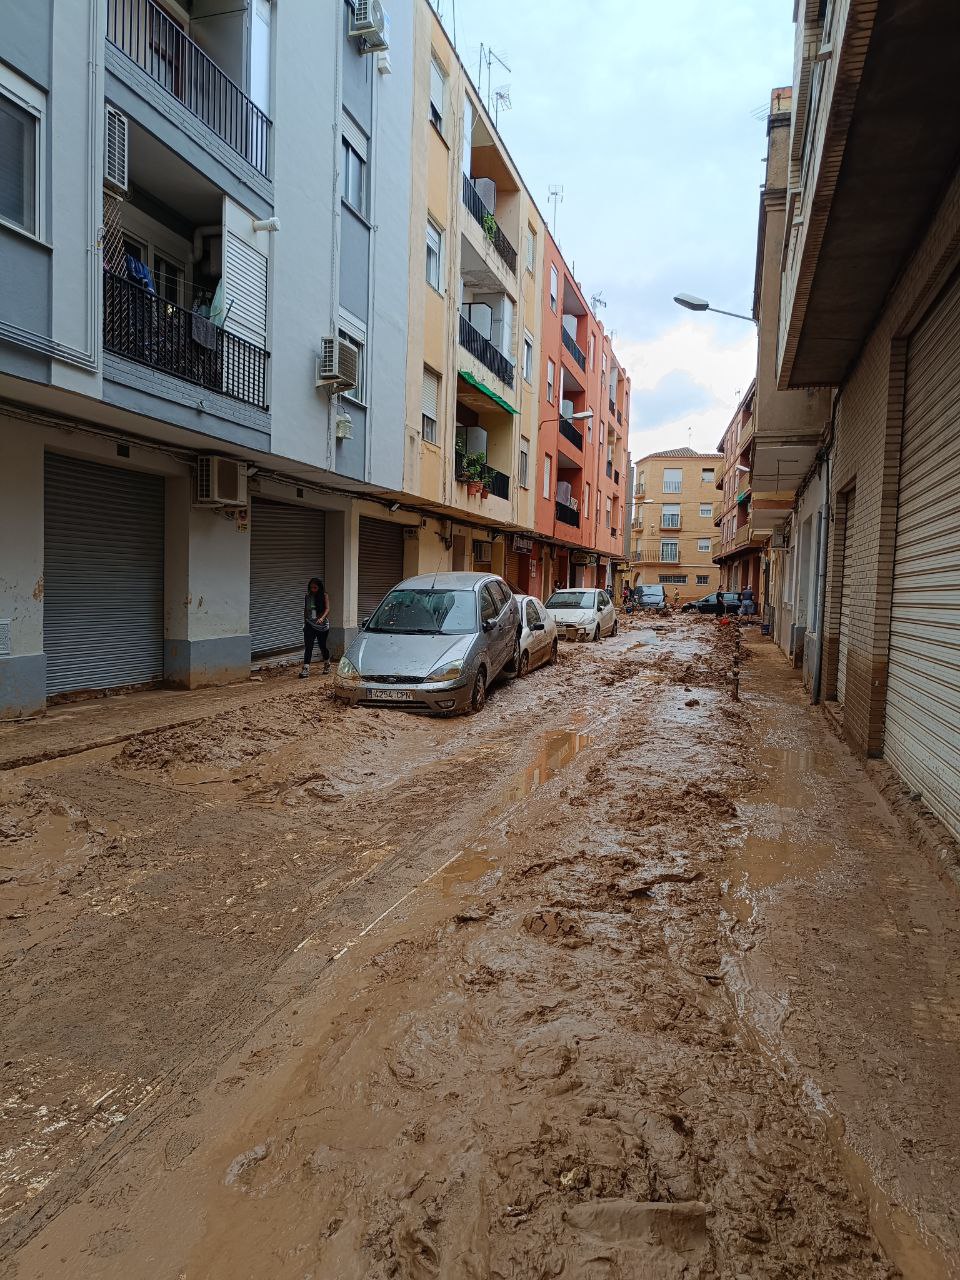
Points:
(487, 58)
(556, 196)
(596, 302)
(501, 99)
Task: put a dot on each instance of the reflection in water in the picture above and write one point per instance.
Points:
(557, 749)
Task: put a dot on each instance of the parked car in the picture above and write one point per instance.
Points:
(583, 613)
(538, 635)
(435, 643)
(710, 604)
(652, 597)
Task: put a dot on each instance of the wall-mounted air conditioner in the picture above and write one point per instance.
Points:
(220, 482)
(115, 149)
(370, 25)
(779, 540)
(338, 364)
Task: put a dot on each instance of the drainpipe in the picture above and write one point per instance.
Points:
(822, 566)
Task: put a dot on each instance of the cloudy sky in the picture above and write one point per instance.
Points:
(646, 114)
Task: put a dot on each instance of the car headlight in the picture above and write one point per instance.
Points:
(347, 673)
(449, 671)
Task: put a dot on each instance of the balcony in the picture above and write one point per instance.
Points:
(491, 228)
(495, 482)
(571, 346)
(142, 31)
(669, 555)
(482, 349)
(715, 548)
(570, 432)
(567, 514)
(145, 328)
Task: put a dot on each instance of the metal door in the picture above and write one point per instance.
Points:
(286, 551)
(922, 735)
(846, 592)
(102, 575)
(380, 565)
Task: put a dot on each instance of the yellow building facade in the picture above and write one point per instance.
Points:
(672, 529)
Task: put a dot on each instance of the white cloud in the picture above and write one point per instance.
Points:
(709, 357)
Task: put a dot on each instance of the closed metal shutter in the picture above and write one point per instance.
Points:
(102, 574)
(286, 551)
(846, 592)
(511, 569)
(922, 737)
(380, 564)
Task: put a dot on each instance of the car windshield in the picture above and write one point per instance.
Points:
(571, 600)
(650, 593)
(428, 612)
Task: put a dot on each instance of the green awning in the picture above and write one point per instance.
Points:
(482, 386)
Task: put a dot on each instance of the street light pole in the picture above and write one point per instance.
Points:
(693, 303)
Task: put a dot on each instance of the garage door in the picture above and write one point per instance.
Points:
(922, 738)
(103, 575)
(846, 593)
(286, 551)
(511, 570)
(380, 564)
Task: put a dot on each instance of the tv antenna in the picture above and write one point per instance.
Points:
(487, 58)
(556, 197)
(596, 302)
(501, 98)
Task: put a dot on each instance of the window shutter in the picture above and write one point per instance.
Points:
(436, 88)
(115, 148)
(431, 393)
(245, 290)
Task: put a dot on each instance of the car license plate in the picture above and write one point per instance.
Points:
(390, 695)
(572, 633)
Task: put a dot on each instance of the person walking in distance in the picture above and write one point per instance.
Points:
(316, 625)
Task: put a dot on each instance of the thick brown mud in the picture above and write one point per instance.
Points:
(300, 991)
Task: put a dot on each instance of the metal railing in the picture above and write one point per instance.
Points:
(482, 349)
(669, 554)
(571, 345)
(570, 432)
(567, 514)
(672, 486)
(142, 31)
(491, 227)
(143, 327)
(498, 483)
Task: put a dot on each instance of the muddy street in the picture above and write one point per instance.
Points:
(620, 978)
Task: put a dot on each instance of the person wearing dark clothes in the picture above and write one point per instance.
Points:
(316, 625)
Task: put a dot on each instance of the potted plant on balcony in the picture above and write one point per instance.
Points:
(490, 226)
(473, 471)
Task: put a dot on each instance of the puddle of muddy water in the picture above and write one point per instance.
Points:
(556, 751)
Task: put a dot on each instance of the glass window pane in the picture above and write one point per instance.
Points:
(18, 164)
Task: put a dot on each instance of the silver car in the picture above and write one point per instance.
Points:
(538, 636)
(436, 643)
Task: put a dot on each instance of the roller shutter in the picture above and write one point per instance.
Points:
(286, 551)
(846, 592)
(380, 564)
(103, 575)
(511, 569)
(922, 735)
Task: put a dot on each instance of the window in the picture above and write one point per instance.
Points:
(586, 499)
(708, 475)
(531, 249)
(501, 593)
(431, 402)
(533, 615)
(670, 550)
(703, 580)
(590, 428)
(354, 177)
(528, 355)
(169, 277)
(551, 375)
(546, 475)
(434, 250)
(672, 479)
(437, 87)
(703, 544)
(593, 351)
(488, 605)
(357, 342)
(609, 508)
(601, 431)
(554, 288)
(524, 462)
(706, 510)
(21, 122)
(670, 517)
(678, 578)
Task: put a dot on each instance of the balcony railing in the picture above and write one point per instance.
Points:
(571, 345)
(494, 482)
(142, 31)
(567, 514)
(716, 547)
(570, 432)
(143, 327)
(471, 198)
(482, 349)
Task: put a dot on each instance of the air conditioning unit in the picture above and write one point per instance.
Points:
(344, 426)
(221, 482)
(115, 132)
(780, 540)
(371, 25)
(338, 364)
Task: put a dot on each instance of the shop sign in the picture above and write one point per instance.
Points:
(522, 543)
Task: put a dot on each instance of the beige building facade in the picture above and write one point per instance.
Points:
(674, 506)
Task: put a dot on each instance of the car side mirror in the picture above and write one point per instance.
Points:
(538, 626)
(488, 624)
(364, 623)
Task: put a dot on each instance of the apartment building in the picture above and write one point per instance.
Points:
(736, 549)
(873, 555)
(674, 505)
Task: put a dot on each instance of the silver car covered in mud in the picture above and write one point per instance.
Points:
(436, 643)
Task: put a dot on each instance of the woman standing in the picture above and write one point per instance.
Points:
(316, 625)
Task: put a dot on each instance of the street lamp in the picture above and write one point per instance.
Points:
(574, 417)
(693, 303)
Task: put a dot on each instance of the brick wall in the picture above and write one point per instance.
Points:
(866, 456)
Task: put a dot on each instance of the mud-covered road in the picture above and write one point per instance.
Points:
(291, 990)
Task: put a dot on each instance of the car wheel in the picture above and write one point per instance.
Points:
(596, 634)
(614, 631)
(523, 666)
(479, 696)
(554, 652)
(513, 666)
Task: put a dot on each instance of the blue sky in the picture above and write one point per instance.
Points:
(645, 113)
